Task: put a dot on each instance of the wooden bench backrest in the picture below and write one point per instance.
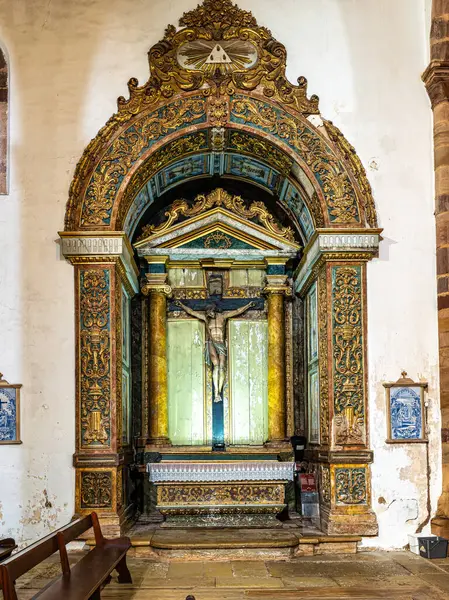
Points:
(29, 557)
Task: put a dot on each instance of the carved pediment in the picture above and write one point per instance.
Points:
(218, 221)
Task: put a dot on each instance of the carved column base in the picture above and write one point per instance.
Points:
(345, 499)
(278, 445)
(334, 522)
(158, 442)
(100, 489)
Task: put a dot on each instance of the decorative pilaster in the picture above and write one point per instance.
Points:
(436, 79)
(105, 278)
(337, 262)
(276, 290)
(156, 288)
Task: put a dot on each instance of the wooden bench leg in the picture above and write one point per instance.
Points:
(124, 576)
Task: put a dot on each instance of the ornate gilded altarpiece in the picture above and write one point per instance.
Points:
(218, 104)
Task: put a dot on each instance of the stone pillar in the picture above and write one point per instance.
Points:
(276, 290)
(156, 288)
(337, 262)
(436, 79)
(104, 267)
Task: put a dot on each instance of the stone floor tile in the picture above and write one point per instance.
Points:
(153, 570)
(249, 582)
(218, 569)
(246, 568)
(398, 581)
(298, 568)
(440, 580)
(179, 582)
(364, 569)
(418, 567)
(305, 582)
(180, 594)
(185, 569)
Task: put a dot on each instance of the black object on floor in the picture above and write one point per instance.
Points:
(433, 547)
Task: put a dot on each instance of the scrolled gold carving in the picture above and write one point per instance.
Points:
(218, 15)
(127, 148)
(325, 484)
(316, 209)
(351, 157)
(323, 355)
(219, 112)
(213, 22)
(96, 489)
(222, 494)
(119, 371)
(120, 489)
(95, 356)
(154, 288)
(220, 197)
(202, 294)
(190, 294)
(243, 292)
(334, 180)
(349, 405)
(177, 148)
(350, 486)
(218, 239)
(255, 146)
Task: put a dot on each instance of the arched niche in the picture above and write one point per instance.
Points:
(235, 117)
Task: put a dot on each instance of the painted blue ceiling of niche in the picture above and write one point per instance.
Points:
(294, 200)
(223, 164)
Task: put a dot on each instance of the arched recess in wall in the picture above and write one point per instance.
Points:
(4, 99)
(233, 116)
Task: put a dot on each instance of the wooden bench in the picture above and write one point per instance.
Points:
(7, 545)
(84, 580)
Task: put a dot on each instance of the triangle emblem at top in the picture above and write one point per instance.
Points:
(218, 56)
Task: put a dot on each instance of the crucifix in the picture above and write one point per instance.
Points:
(216, 350)
(213, 314)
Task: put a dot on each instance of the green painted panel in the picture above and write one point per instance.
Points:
(247, 277)
(256, 277)
(186, 277)
(238, 277)
(248, 343)
(185, 356)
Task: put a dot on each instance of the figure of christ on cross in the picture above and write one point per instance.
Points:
(216, 350)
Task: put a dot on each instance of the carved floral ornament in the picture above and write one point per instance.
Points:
(220, 198)
(203, 76)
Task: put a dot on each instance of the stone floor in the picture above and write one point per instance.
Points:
(364, 576)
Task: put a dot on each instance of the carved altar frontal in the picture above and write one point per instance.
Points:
(223, 493)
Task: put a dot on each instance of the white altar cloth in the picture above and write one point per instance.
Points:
(265, 470)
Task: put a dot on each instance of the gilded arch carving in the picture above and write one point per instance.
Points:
(194, 106)
(259, 102)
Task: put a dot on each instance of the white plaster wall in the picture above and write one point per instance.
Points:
(70, 60)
